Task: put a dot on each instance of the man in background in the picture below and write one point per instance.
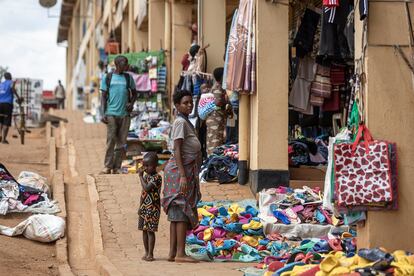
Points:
(60, 95)
(7, 93)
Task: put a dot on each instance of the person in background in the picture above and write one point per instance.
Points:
(118, 98)
(181, 183)
(7, 93)
(232, 126)
(60, 95)
(216, 120)
(150, 204)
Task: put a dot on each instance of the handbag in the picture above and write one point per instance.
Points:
(322, 86)
(363, 172)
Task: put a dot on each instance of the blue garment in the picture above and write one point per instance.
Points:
(118, 94)
(6, 92)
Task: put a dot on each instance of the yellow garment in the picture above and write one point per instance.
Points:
(235, 209)
(208, 234)
(252, 241)
(340, 271)
(204, 212)
(411, 259)
(254, 225)
(347, 262)
(329, 263)
(268, 273)
(402, 268)
(297, 270)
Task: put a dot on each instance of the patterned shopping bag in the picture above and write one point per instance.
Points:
(363, 171)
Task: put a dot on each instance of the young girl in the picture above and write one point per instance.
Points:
(181, 186)
(150, 206)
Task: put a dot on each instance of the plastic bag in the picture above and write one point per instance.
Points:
(42, 228)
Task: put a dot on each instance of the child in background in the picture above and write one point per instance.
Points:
(150, 205)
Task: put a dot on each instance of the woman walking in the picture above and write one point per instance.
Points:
(181, 184)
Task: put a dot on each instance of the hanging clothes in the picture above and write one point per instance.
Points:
(241, 50)
(363, 9)
(162, 79)
(299, 96)
(306, 33)
(232, 28)
(334, 45)
(140, 11)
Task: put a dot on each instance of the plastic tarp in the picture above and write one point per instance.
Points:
(304, 231)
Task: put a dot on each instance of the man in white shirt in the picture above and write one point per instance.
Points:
(60, 95)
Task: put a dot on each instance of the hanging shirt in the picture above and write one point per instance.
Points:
(331, 3)
(363, 9)
(118, 94)
(6, 92)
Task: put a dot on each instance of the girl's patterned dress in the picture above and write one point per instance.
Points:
(150, 205)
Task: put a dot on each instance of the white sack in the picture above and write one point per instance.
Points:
(43, 228)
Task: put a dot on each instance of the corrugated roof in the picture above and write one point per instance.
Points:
(66, 14)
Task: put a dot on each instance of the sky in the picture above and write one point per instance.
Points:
(28, 41)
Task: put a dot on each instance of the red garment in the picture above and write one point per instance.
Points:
(331, 3)
(337, 74)
(185, 62)
(333, 103)
(112, 48)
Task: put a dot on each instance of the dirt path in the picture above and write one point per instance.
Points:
(20, 256)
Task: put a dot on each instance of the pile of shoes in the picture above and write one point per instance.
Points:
(367, 262)
(233, 233)
(293, 206)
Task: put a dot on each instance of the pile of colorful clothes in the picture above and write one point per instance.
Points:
(229, 232)
(222, 165)
(367, 262)
(30, 195)
(307, 152)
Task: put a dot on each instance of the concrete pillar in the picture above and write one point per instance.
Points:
(181, 36)
(213, 21)
(156, 24)
(244, 135)
(168, 43)
(389, 109)
(269, 112)
(140, 40)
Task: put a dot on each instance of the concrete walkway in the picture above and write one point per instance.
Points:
(115, 223)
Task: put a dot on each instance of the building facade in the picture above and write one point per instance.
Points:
(263, 120)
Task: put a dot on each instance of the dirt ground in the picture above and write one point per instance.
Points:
(18, 255)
